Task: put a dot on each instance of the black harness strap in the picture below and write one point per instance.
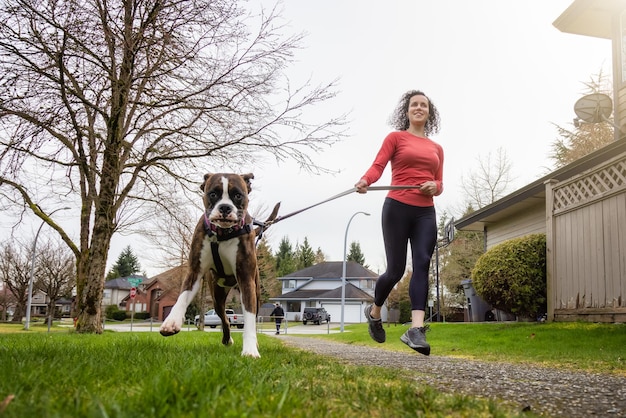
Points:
(217, 260)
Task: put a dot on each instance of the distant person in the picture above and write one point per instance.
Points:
(408, 215)
(278, 314)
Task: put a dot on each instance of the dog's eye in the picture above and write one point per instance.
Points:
(238, 196)
(212, 195)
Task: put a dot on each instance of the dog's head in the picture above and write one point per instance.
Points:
(226, 198)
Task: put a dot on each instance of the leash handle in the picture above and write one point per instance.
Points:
(400, 187)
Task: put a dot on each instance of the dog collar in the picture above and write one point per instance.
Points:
(224, 234)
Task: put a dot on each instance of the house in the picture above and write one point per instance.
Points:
(582, 210)
(320, 285)
(157, 295)
(580, 207)
(40, 301)
(116, 290)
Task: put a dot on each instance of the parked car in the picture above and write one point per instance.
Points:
(315, 315)
(211, 319)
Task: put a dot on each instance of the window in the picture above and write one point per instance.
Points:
(289, 284)
(367, 284)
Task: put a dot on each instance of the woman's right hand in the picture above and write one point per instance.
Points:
(361, 186)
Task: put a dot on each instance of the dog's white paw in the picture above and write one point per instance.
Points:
(170, 327)
(254, 353)
(250, 343)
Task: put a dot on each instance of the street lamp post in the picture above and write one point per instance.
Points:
(343, 274)
(32, 271)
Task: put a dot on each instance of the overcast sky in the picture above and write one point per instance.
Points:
(499, 72)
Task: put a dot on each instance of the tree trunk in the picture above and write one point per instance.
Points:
(93, 267)
(20, 311)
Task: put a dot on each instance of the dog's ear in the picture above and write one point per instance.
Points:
(247, 178)
(206, 177)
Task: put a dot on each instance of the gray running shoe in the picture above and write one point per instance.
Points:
(416, 339)
(375, 328)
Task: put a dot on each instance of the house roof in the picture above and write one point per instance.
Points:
(352, 292)
(122, 282)
(166, 281)
(332, 270)
(171, 274)
(590, 17)
(534, 193)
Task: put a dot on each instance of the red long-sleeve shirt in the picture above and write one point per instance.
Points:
(414, 160)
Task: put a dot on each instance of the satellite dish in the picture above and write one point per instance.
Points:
(594, 108)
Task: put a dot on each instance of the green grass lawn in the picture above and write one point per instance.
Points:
(570, 345)
(63, 374)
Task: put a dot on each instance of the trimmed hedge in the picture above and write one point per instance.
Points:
(114, 313)
(511, 276)
(142, 315)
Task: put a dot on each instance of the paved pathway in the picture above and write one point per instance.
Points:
(552, 392)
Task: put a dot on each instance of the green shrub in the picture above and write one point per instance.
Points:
(119, 315)
(512, 276)
(114, 313)
(110, 310)
(405, 312)
(142, 315)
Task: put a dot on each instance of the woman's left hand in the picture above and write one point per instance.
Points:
(429, 188)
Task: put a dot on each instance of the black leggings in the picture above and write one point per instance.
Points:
(404, 223)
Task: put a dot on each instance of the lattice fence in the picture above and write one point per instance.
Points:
(590, 186)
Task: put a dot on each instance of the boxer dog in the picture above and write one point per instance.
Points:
(223, 251)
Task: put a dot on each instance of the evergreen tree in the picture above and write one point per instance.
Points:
(285, 258)
(305, 257)
(584, 138)
(126, 265)
(270, 287)
(355, 254)
(319, 256)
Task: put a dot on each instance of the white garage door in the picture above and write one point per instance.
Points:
(352, 312)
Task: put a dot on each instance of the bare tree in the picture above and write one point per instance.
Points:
(489, 181)
(112, 105)
(170, 236)
(483, 186)
(55, 273)
(583, 138)
(15, 273)
(7, 300)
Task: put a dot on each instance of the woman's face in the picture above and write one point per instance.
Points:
(418, 110)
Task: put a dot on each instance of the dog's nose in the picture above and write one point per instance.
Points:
(225, 210)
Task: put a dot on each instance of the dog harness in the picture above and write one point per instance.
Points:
(223, 234)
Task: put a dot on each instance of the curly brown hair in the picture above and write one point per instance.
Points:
(400, 121)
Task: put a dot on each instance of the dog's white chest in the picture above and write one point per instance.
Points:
(227, 253)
